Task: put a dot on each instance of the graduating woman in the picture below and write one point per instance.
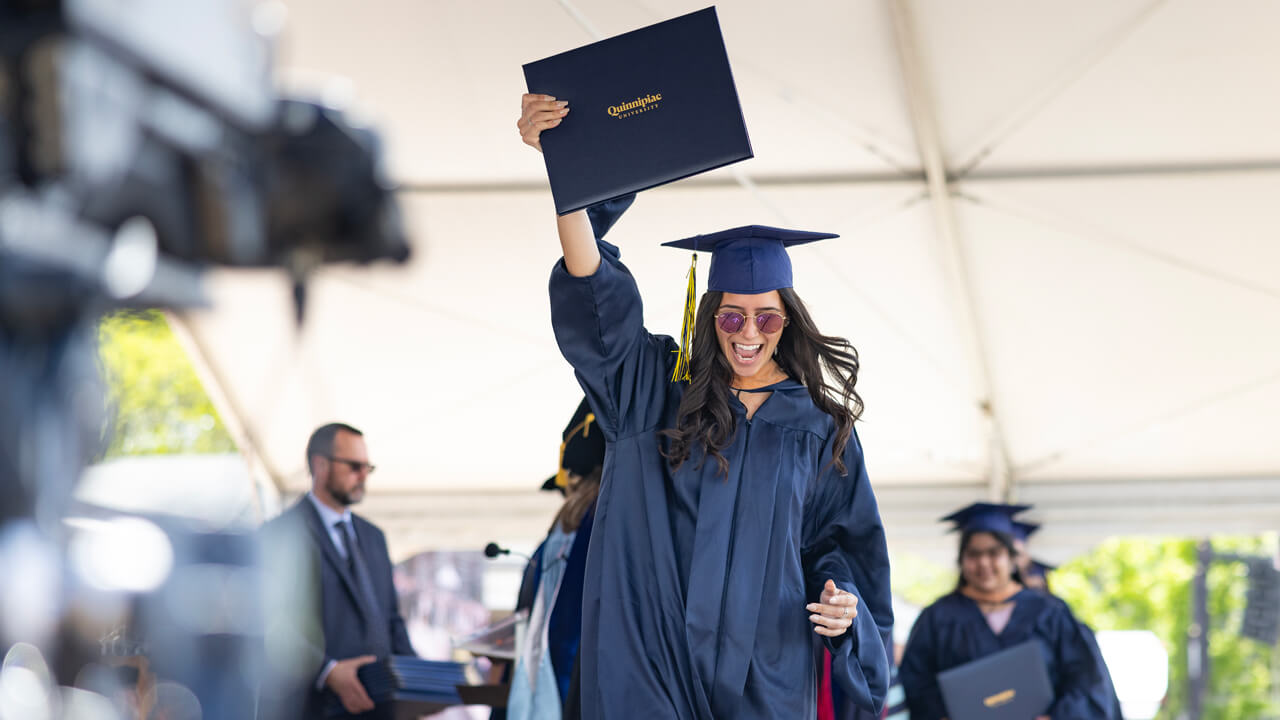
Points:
(989, 611)
(736, 533)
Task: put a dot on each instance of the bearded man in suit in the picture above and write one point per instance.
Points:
(331, 604)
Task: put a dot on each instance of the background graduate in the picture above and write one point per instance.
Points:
(736, 526)
(989, 611)
(544, 685)
(1035, 575)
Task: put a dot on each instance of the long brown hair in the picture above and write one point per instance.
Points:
(578, 497)
(826, 365)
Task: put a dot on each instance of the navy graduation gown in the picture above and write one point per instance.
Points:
(1105, 692)
(695, 587)
(953, 631)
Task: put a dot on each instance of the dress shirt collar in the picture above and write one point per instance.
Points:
(328, 515)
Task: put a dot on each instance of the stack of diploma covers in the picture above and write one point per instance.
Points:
(645, 108)
(412, 686)
(1012, 684)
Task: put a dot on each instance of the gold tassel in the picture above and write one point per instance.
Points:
(681, 371)
(562, 475)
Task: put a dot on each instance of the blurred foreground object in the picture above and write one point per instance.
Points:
(140, 142)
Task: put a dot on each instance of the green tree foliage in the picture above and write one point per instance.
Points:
(156, 404)
(1141, 584)
(919, 581)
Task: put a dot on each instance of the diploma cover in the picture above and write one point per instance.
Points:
(645, 108)
(1012, 684)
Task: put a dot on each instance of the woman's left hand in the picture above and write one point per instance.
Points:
(834, 612)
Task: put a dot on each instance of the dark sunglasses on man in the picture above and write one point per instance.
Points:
(355, 465)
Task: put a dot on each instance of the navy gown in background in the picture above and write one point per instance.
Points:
(696, 583)
(1106, 691)
(953, 631)
(564, 626)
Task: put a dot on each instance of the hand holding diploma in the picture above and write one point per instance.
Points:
(538, 113)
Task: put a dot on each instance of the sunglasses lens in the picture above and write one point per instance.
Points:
(730, 322)
(769, 322)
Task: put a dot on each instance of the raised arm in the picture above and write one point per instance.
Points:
(581, 254)
(595, 305)
(577, 241)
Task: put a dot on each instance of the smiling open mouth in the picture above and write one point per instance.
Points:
(746, 353)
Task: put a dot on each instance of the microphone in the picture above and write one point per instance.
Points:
(493, 550)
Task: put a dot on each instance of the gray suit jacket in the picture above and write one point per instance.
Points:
(316, 612)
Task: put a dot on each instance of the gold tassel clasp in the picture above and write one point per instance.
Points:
(681, 371)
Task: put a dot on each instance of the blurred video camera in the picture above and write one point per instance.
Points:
(142, 139)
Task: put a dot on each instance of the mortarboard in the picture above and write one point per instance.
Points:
(989, 517)
(746, 260)
(582, 448)
(751, 259)
(1037, 568)
(1024, 530)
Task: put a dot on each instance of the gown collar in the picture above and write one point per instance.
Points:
(783, 384)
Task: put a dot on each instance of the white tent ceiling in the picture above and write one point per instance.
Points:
(1060, 257)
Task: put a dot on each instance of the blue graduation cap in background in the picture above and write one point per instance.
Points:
(988, 517)
(1024, 530)
(582, 448)
(746, 260)
(1037, 568)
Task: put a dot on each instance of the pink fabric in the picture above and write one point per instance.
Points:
(997, 619)
(826, 710)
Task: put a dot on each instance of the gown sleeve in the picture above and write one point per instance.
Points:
(599, 326)
(844, 541)
(918, 672)
(1080, 691)
(1106, 692)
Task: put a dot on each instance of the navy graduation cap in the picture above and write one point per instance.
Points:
(751, 259)
(582, 448)
(1037, 568)
(988, 517)
(1024, 530)
(745, 260)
